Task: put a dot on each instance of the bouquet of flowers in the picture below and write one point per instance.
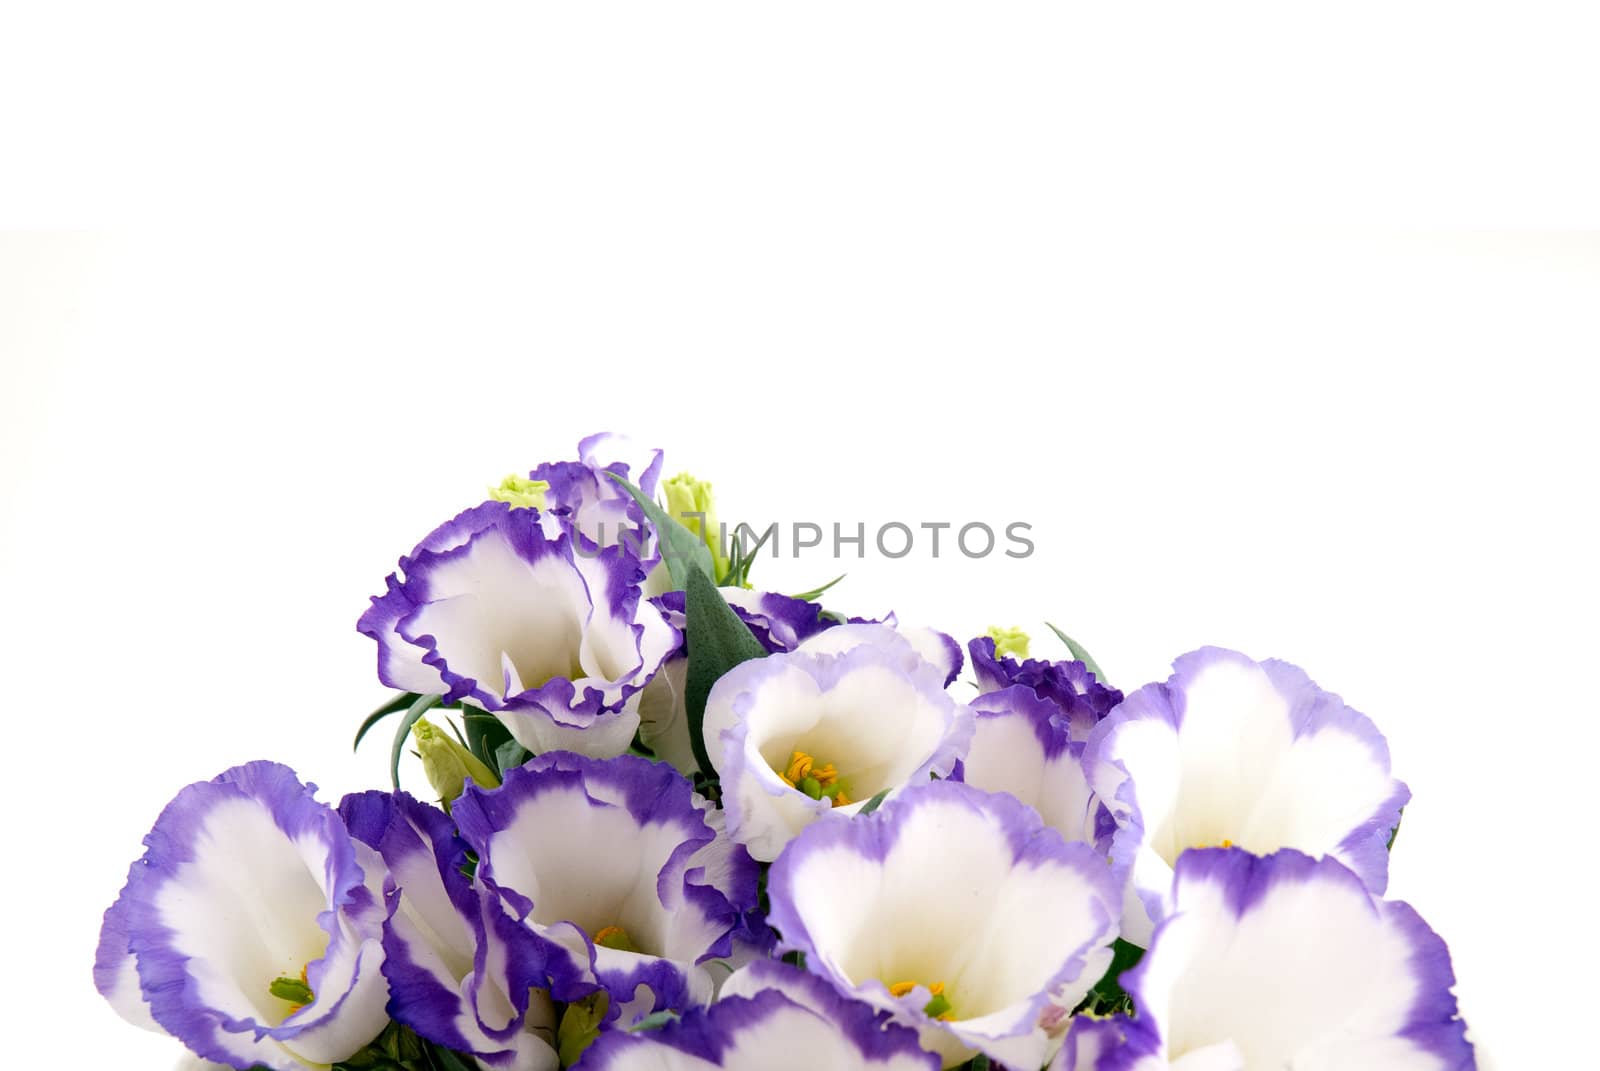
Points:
(674, 823)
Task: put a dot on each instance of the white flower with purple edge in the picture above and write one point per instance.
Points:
(554, 640)
(249, 930)
(779, 622)
(460, 971)
(773, 1017)
(958, 911)
(1275, 962)
(619, 875)
(1081, 699)
(928, 645)
(1236, 753)
(582, 497)
(802, 737)
(1022, 744)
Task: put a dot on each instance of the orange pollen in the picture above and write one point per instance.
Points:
(293, 1008)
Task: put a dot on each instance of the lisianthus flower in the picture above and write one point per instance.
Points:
(248, 930)
(1081, 698)
(930, 645)
(1281, 961)
(1021, 744)
(958, 911)
(494, 611)
(800, 737)
(778, 621)
(1236, 753)
(459, 968)
(617, 869)
(771, 1017)
(582, 496)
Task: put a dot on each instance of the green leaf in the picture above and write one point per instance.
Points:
(508, 756)
(399, 702)
(580, 1025)
(717, 641)
(418, 708)
(485, 736)
(1395, 832)
(447, 1060)
(654, 1021)
(742, 558)
(980, 1062)
(1079, 653)
(683, 551)
(815, 593)
(1107, 996)
(874, 803)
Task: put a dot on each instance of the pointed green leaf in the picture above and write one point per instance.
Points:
(1079, 653)
(717, 641)
(874, 803)
(510, 755)
(399, 702)
(815, 593)
(682, 550)
(485, 736)
(417, 709)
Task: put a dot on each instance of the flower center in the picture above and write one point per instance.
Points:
(938, 1006)
(816, 781)
(297, 991)
(615, 937)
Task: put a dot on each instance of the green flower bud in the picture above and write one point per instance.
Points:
(521, 492)
(1008, 641)
(689, 502)
(447, 764)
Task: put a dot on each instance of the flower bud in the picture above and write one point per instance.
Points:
(1008, 641)
(690, 503)
(520, 492)
(447, 764)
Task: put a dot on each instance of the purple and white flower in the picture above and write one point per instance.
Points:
(248, 930)
(958, 911)
(769, 1016)
(1280, 961)
(929, 645)
(462, 971)
(1022, 745)
(1080, 698)
(1238, 753)
(493, 611)
(618, 871)
(778, 621)
(584, 498)
(800, 737)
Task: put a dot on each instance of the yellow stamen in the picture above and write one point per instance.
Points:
(1227, 844)
(938, 1005)
(818, 782)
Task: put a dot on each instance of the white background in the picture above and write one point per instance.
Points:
(1206, 299)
